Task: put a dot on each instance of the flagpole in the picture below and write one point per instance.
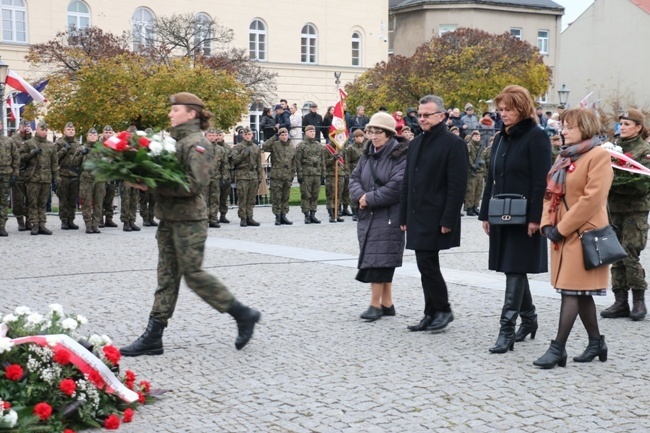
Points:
(337, 75)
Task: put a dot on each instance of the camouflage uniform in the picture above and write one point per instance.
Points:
(147, 205)
(247, 162)
(629, 206)
(129, 198)
(40, 171)
(310, 169)
(9, 166)
(220, 174)
(283, 169)
(330, 183)
(224, 192)
(19, 190)
(69, 170)
(351, 157)
(91, 191)
(474, 177)
(183, 229)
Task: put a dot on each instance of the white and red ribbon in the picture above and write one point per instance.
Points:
(634, 166)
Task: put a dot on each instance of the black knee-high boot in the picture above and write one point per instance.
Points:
(515, 286)
(528, 316)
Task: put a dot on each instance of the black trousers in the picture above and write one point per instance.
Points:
(433, 284)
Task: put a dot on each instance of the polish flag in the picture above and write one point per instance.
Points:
(16, 81)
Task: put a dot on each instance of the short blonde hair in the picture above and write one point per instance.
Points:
(518, 98)
(585, 119)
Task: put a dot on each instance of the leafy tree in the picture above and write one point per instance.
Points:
(467, 65)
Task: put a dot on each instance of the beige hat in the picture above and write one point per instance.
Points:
(634, 115)
(358, 133)
(383, 121)
(282, 131)
(185, 98)
(310, 128)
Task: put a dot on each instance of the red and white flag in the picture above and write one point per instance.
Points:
(338, 132)
(14, 110)
(14, 80)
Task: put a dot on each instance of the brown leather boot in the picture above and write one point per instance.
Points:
(638, 305)
(620, 307)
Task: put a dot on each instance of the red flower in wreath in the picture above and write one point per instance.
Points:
(67, 386)
(145, 386)
(128, 415)
(112, 354)
(43, 411)
(130, 376)
(6, 405)
(14, 372)
(112, 422)
(62, 357)
(141, 398)
(68, 431)
(144, 142)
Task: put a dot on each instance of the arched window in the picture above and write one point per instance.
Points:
(14, 21)
(142, 26)
(356, 49)
(254, 114)
(308, 46)
(257, 41)
(203, 34)
(78, 15)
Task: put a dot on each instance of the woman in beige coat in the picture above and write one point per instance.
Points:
(576, 200)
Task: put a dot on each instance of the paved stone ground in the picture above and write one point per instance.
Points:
(312, 365)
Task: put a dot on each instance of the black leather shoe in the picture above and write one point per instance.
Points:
(555, 355)
(388, 311)
(442, 319)
(278, 221)
(284, 220)
(371, 314)
(65, 226)
(424, 323)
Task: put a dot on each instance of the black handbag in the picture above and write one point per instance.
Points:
(507, 209)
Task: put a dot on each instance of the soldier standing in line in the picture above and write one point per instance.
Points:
(351, 156)
(91, 191)
(247, 162)
(69, 170)
(219, 179)
(19, 190)
(107, 205)
(283, 169)
(224, 191)
(344, 204)
(330, 166)
(42, 172)
(310, 169)
(129, 197)
(182, 233)
(147, 201)
(475, 174)
(9, 166)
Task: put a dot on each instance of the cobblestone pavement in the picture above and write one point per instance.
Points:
(313, 365)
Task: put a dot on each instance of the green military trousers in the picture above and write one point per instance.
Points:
(180, 254)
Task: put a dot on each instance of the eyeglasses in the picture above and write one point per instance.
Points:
(374, 131)
(426, 115)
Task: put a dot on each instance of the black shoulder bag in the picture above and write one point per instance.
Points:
(506, 209)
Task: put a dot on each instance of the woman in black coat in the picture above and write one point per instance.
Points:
(267, 124)
(519, 162)
(376, 185)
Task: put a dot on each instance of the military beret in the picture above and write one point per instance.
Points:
(185, 98)
(69, 125)
(358, 133)
(211, 131)
(634, 115)
(108, 128)
(92, 131)
(246, 130)
(41, 124)
(283, 131)
(24, 122)
(310, 128)
(219, 131)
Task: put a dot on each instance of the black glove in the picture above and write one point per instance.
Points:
(300, 179)
(37, 151)
(336, 156)
(55, 186)
(224, 183)
(552, 234)
(12, 180)
(85, 150)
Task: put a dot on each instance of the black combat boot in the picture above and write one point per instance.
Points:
(251, 222)
(21, 224)
(89, 230)
(243, 222)
(109, 222)
(149, 343)
(284, 220)
(146, 222)
(65, 225)
(278, 220)
(355, 214)
(3, 231)
(246, 318)
(73, 226)
(330, 212)
(595, 348)
(555, 355)
(620, 307)
(152, 222)
(96, 229)
(34, 230)
(638, 305)
(101, 223)
(307, 217)
(28, 225)
(312, 217)
(42, 230)
(213, 225)
(126, 227)
(345, 211)
(223, 219)
(134, 227)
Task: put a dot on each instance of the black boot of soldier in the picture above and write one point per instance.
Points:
(149, 343)
(284, 220)
(278, 220)
(307, 218)
(21, 224)
(246, 318)
(312, 217)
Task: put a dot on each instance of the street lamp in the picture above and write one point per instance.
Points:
(563, 94)
(4, 69)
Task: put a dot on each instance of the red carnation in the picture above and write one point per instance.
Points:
(6, 405)
(124, 135)
(130, 376)
(43, 411)
(62, 356)
(129, 384)
(141, 398)
(96, 379)
(128, 415)
(145, 386)
(14, 372)
(112, 354)
(67, 386)
(144, 142)
(68, 431)
(112, 422)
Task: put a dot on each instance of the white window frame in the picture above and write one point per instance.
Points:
(446, 28)
(78, 16)
(392, 22)
(543, 99)
(542, 41)
(203, 34)
(309, 44)
(14, 16)
(255, 112)
(356, 48)
(143, 32)
(257, 40)
(516, 32)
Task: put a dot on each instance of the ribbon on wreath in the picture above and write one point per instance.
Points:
(630, 165)
(84, 360)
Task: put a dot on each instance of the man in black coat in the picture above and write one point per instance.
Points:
(433, 191)
(313, 118)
